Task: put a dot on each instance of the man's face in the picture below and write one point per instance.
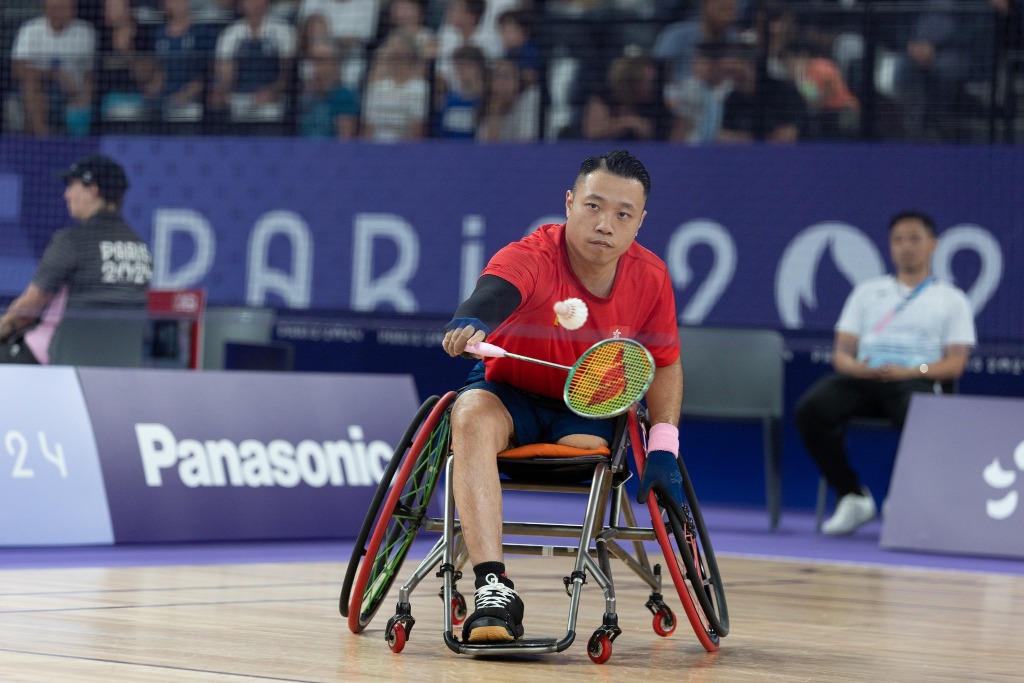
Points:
(603, 214)
(59, 13)
(911, 245)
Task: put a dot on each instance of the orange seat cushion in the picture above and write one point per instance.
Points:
(551, 450)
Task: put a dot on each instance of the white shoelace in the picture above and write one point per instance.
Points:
(494, 594)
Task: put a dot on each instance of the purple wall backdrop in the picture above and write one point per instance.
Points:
(754, 235)
(763, 236)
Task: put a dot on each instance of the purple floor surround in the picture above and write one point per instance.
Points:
(733, 530)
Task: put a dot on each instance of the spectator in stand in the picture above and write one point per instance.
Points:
(630, 107)
(776, 30)
(127, 84)
(516, 30)
(396, 104)
(52, 60)
(408, 17)
(353, 24)
(327, 109)
(946, 49)
(311, 30)
(462, 21)
(252, 72)
(698, 101)
(762, 109)
(511, 109)
(833, 111)
(677, 42)
(462, 105)
(184, 50)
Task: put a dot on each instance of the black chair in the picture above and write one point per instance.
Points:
(738, 374)
(109, 338)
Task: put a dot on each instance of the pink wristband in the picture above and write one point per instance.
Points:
(664, 437)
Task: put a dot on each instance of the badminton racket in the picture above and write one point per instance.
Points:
(605, 381)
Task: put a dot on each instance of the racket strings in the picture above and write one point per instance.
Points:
(609, 378)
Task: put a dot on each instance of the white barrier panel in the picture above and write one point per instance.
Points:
(959, 478)
(51, 486)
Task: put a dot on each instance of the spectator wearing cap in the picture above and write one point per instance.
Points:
(99, 265)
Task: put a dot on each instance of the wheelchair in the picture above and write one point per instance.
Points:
(422, 461)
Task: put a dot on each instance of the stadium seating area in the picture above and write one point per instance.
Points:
(687, 71)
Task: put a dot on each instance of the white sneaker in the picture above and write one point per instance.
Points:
(852, 511)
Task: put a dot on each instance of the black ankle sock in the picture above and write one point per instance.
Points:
(480, 571)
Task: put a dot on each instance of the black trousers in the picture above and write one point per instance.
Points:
(822, 414)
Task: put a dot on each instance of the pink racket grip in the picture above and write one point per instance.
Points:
(485, 349)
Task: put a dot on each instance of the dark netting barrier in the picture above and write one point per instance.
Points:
(691, 71)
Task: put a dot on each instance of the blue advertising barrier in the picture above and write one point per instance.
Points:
(101, 455)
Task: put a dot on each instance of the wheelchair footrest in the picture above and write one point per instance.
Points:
(519, 647)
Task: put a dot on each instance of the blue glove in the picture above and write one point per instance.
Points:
(661, 469)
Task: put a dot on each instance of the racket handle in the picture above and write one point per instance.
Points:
(485, 349)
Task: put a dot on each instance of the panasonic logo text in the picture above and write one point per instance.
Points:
(252, 463)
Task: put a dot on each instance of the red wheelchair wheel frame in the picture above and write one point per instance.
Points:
(383, 487)
(410, 491)
(687, 550)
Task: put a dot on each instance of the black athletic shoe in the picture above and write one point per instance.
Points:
(498, 617)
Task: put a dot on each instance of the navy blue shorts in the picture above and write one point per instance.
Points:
(539, 419)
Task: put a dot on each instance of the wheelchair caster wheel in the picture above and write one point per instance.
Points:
(397, 637)
(459, 609)
(599, 648)
(664, 622)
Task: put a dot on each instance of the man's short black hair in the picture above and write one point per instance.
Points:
(912, 214)
(619, 163)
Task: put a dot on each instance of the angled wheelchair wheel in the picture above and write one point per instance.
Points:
(397, 513)
(359, 547)
(686, 544)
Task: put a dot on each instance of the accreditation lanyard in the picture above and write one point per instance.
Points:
(884, 322)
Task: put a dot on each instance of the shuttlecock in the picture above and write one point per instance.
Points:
(571, 313)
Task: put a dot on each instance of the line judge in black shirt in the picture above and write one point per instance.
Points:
(101, 264)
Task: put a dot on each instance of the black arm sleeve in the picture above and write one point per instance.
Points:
(491, 302)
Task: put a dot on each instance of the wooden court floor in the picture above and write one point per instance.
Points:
(791, 621)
